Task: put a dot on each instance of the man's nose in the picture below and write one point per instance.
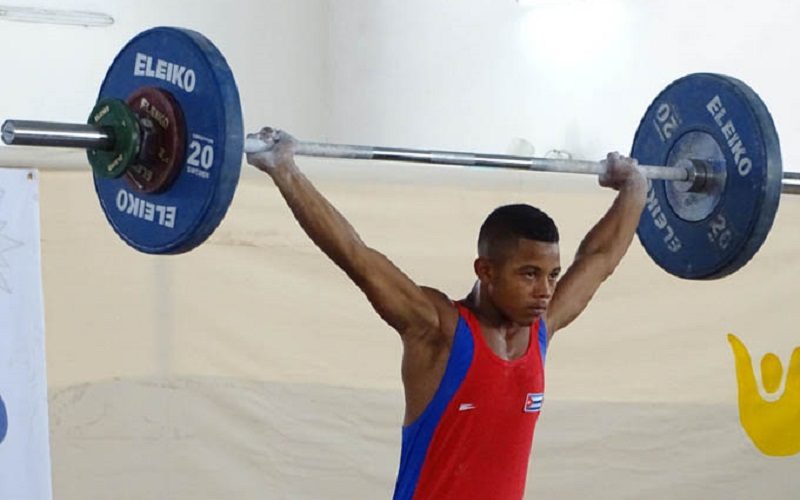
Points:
(543, 288)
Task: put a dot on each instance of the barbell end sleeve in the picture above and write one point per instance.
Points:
(790, 184)
(54, 134)
(8, 132)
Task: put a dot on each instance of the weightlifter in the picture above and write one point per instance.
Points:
(473, 369)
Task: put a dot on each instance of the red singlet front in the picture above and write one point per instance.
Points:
(474, 438)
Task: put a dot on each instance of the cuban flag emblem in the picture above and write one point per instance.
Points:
(533, 402)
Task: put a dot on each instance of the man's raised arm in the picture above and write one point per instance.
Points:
(604, 246)
(398, 300)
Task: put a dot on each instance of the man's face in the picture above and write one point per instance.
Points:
(521, 285)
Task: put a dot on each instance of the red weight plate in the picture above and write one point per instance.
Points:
(163, 139)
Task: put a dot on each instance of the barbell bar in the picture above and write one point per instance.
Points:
(165, 141)
(77, 135)
(84, 136)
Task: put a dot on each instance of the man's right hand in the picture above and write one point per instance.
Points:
(279, 152)
(622, 172)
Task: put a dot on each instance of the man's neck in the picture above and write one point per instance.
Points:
(490, 316)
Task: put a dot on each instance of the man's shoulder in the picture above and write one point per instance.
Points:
(445, 308)
(437, 295)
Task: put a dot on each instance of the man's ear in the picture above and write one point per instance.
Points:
(483, 270)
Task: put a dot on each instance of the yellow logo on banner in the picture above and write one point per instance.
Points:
(773, 425)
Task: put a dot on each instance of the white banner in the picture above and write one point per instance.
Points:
(24, 443)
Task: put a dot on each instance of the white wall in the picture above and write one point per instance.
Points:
(566, 74)
(54, 72)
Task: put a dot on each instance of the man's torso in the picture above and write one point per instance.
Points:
(475, 432)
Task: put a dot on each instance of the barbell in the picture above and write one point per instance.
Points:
(165, 142)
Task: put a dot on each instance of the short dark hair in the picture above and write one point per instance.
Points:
(503, 228)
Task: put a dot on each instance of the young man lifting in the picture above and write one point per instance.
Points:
(473, 370)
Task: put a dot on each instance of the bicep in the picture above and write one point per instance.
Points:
(575, 289)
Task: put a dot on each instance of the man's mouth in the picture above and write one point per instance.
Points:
(538, 310)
